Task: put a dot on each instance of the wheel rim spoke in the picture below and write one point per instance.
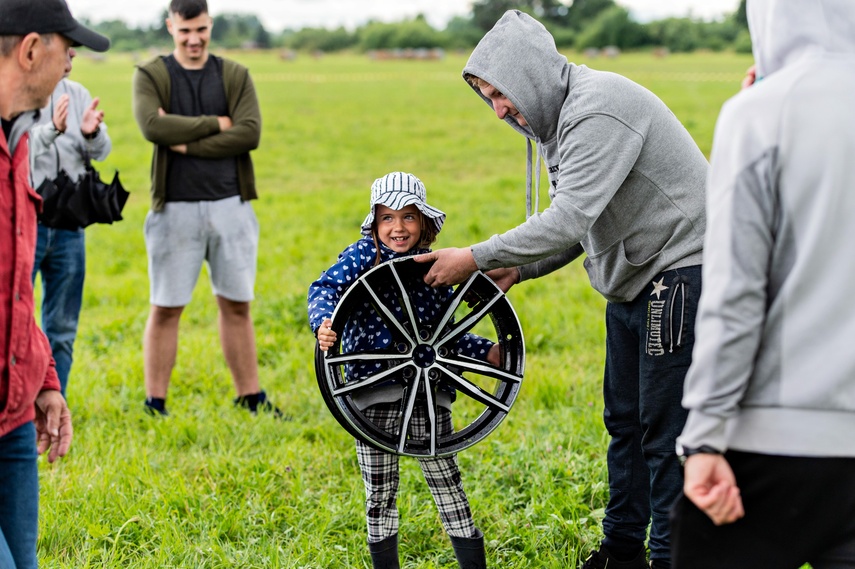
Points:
(430, 407)
(473, 391)
(473, 318)
(357, 357)
(389, 316)
(352, 386)
(408, 412)
(484, 369)
(402, 291)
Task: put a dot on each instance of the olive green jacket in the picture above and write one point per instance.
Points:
(202, 135)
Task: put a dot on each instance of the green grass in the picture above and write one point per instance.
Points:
(209, 488)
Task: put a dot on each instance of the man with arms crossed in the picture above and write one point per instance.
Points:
(202, 114)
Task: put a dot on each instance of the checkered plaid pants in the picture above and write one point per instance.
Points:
(381, 477)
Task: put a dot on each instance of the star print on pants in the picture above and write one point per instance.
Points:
(658, 288)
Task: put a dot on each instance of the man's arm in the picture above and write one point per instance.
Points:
(453, 266)
(550, 264)
(740, 237)
(591, 174)
(93, 130)
(166, 129)
(245, 132)
(596, 155)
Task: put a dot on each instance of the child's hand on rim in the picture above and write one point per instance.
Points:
(494, 356)
(326, 336)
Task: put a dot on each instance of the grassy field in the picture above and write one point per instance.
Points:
(209, 488)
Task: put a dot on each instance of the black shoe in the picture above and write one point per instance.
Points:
(256, 402)
(658, 564)
(156, 407)
(602, 559)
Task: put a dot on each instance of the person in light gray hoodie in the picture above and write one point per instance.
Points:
(68, 129)
(626, 188)
(772, 385)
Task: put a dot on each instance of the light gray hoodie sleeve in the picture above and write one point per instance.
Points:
(741, 213)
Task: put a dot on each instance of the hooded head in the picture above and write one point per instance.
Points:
(396, 191)
(519, 58)
(783, 31)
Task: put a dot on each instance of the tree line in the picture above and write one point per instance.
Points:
(575, 24)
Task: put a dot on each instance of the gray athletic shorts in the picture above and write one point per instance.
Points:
(178, 239)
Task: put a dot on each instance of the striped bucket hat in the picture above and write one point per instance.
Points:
(396, 191)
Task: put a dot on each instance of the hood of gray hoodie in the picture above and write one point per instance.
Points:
(783, 31)
(518, 57)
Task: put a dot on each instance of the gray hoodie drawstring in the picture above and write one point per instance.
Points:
(528, 209)
(537, 170)
(527, 178)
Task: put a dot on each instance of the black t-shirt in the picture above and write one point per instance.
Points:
(196, 92)
(7, 128)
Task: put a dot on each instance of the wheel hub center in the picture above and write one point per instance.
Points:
(424, 355)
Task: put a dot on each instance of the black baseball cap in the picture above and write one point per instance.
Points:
(21, 17)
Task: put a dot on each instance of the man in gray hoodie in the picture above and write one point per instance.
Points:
(627, 188)
(769, 446)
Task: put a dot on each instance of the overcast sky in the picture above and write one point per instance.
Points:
(279, 14)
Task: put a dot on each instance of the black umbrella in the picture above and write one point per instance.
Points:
(70, 205)
(55, 196)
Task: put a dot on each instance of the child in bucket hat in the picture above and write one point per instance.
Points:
(398, 190)
(400, 223)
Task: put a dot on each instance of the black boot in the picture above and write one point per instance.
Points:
(470, 551)
(384, 554)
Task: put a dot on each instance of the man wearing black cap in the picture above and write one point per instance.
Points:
(36, 37)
